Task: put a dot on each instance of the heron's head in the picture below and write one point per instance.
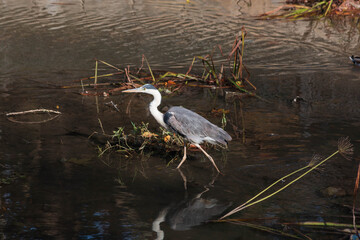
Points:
(147, 88)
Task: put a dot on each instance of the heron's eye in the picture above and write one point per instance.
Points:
(144, 89)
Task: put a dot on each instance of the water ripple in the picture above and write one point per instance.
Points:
(170, 33)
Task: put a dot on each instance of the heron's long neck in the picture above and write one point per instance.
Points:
(154, 109)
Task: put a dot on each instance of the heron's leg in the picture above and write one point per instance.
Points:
(184, 157)
(206, 154)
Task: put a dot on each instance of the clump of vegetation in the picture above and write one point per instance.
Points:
(139, 138)
(298, 9)
(232, 74)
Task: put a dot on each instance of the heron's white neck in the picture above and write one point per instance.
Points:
(154, 108)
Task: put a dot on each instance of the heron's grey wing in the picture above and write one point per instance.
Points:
(176, 123)
(194, 127)
(173, 124)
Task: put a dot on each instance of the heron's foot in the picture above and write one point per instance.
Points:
(183, 159)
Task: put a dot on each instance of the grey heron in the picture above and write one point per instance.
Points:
(188, 124)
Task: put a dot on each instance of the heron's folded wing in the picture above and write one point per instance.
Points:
(194, 127)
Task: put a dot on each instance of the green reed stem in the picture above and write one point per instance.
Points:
(328, 8)
(96, 71)
(243, 206)
(152, 75)
(110, 65)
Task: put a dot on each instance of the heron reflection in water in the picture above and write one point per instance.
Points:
(191, 211)
(186, 123)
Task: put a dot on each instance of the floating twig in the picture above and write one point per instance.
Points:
(114, 105)
(34, 111)
(127, 72)
(41, 110)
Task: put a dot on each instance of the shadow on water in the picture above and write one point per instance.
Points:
(54, 185)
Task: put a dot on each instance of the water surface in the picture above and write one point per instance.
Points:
(58, 187)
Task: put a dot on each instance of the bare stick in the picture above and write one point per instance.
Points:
(41, 110)
(102, 129)
(35, 111)
(127, 71)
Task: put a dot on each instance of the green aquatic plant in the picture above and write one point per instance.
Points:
(223, 120)
(151, 72)
(237, 54)
(120, 144)
(139, 138)
(96, 72)
(318, 9)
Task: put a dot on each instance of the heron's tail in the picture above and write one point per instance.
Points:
(223, 137)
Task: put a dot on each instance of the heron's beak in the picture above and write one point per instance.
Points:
(134, 90)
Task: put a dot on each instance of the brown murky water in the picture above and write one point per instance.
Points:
(54, 185)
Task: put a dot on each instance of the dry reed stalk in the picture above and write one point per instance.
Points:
(345, 148)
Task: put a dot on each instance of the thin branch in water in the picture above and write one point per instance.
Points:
(113, 105)
(101, 126)
(127, 71)
(128, 105)
(34, 111)
(142, 64)
(32, 122)
(41, 110)
(221, 51)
